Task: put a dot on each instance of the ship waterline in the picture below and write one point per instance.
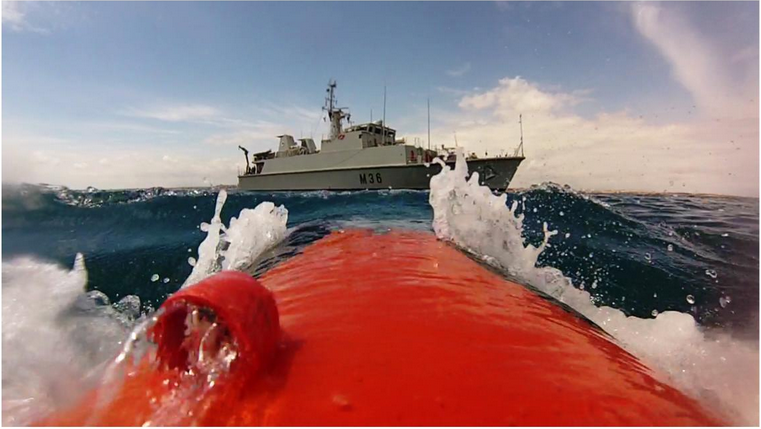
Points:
(496, 173)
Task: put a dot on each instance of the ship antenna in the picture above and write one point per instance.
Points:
(520, 121)
(384, 115)
(335, 114)
(429, 123)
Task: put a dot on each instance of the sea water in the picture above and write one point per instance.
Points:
(673, 278)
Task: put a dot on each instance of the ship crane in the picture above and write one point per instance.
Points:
(245, 153)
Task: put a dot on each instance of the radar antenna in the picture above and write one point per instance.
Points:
(335, 114)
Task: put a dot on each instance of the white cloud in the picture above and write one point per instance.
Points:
(213, 157)
(748, 53)
(698, 63)
(452, 91)
(177, 113)
(459, 71)
(127, 127)
(274, 123)
(518, 94)
(611, 151)
(16, 17)
(12, 13)
(289, 112)
(107, 167)
(262, 134)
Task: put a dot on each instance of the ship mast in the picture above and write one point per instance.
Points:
(429, 124)
(520, 121)
(335, 114)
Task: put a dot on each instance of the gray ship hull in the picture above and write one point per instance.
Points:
(496, 173)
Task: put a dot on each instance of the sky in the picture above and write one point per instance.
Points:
(659, 97)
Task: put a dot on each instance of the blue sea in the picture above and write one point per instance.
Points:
(640, 254)
(648, 252)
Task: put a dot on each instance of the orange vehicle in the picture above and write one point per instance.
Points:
(378, 329)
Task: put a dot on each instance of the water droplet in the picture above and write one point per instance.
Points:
(192, 261)
(567, 234)
(189, 250)
(670, 248)
(591, 255)
(594, 285)
(711, 273)
(562, 214)
(724, 300)
(725, 235)
(690, 299)
(655, 295)
(534, 209)
(654, 313)
(648, 258)
(166, 280)
(342, 402)
(155, 278)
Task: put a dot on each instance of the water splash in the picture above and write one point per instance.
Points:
(236, 247)
(210, 352)
(710, 366)
(60, 341)
(56, 338)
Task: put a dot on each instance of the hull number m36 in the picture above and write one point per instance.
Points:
(365, 178)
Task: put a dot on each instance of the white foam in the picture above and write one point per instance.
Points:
(59, 341)
(208, 251)
(56, 338)
(713, 367)
(236, 247)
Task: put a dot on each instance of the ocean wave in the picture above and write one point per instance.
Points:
(710, 365)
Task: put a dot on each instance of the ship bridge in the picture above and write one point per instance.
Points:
(362, 136)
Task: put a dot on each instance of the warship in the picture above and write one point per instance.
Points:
(362, 157)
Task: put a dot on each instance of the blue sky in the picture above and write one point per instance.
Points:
(103, 91)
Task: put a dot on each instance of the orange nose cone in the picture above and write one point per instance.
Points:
(395, 329)
(245, 307)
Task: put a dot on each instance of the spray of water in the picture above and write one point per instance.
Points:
(236, 247)
(210, 350)
(59, 342)
(711, 366)
(56, 338)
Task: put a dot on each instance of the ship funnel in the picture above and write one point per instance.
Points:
(309, 145)
(286, 142)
